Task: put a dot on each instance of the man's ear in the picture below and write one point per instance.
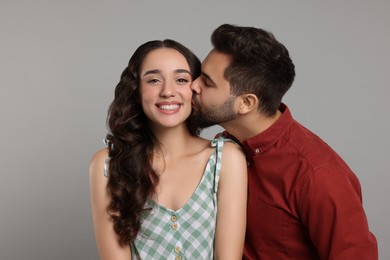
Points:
(248, 102)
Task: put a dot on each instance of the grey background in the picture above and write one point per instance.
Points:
(60, 62)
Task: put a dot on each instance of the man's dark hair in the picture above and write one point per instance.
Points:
(260, 64)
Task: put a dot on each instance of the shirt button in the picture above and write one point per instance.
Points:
(177, 249)
(173, 218)
(178, 257)
(257, 150)
(174, 226)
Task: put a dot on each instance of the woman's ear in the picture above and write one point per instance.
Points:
(248, 102)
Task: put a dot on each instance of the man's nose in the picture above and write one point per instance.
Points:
(195, 86)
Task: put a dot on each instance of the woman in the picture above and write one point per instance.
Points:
(157, 187)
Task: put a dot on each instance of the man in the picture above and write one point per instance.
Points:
(304, 202)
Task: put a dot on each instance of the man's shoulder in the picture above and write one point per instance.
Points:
(311, 147)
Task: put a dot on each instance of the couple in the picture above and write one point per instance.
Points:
(267, 188)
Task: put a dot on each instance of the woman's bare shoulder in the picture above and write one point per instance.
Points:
(232, 149)
(96, 166)
(233, 159)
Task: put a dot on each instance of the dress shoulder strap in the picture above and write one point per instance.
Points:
(106, 164)
(107, 161)
(218, 143)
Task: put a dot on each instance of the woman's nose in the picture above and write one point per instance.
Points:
(167, 90)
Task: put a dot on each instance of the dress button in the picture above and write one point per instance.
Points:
(177, 249)
(174, 226)
(174, 218)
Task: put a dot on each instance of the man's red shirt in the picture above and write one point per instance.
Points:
(304, 202)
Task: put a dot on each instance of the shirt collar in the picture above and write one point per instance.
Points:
(260, 143)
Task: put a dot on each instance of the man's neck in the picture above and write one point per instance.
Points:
(250, 125)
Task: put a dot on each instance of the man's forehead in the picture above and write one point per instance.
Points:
(216, 58)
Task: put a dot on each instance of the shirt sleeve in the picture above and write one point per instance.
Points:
(331, 209)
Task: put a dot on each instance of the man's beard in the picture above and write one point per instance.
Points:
(214, 115)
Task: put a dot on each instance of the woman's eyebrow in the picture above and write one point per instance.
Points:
(157, 71)
(182, 71)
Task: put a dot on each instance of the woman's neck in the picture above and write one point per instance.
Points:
(174, 142)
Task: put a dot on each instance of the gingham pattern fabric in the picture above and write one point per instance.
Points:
(187, 233)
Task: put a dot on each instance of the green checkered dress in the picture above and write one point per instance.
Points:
(187, 233)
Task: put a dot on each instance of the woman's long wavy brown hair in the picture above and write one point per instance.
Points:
(131, 143)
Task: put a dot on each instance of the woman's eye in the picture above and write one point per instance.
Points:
(153, 81)
(183, 80)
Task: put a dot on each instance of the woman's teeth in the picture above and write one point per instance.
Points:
(169, 107)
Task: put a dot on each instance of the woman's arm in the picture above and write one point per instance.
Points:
(106, 238)
(232, 202)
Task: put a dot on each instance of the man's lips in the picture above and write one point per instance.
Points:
(194, 105)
